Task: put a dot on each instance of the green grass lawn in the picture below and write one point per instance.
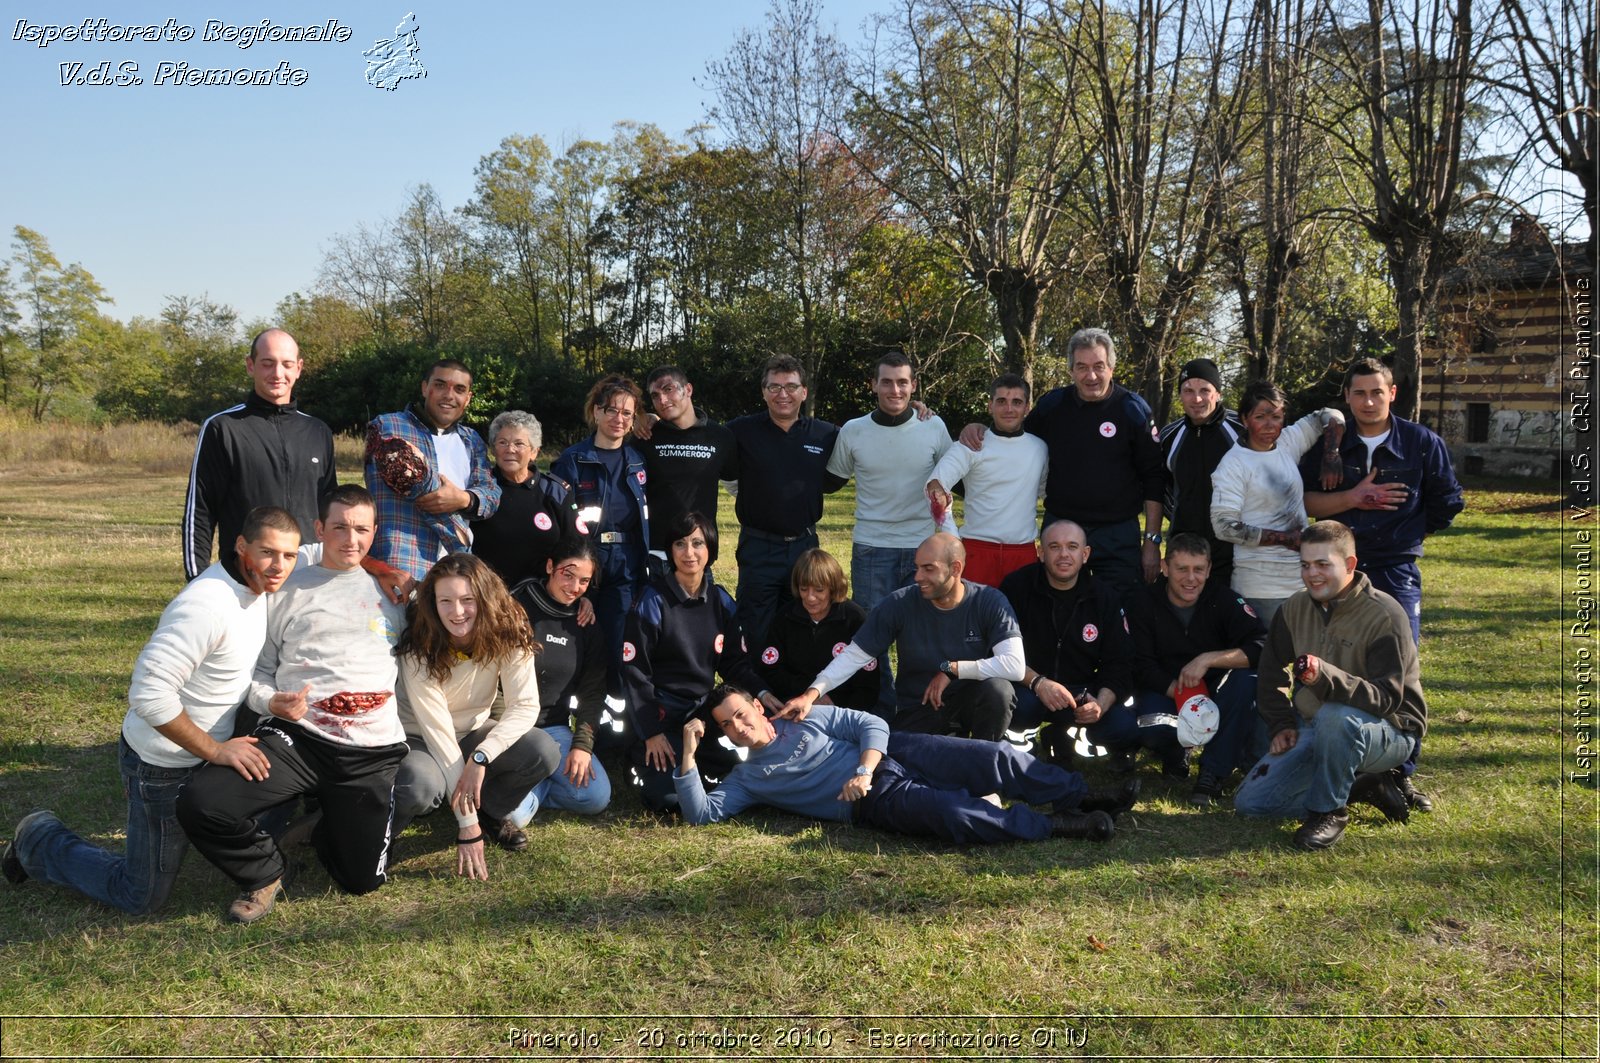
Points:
(1470, 932)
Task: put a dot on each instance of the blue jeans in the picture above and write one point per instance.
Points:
(875, 573)
(557, 791)
(138, 881)
(1315, 774)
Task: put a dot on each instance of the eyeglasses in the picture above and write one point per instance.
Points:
(516, 445)
(616, 411)
(782, 389)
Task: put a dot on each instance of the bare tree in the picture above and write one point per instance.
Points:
(780, 92)
(360, 269)
(1556, 100)
(1411, 69)
(1169, 84)
(963, 113)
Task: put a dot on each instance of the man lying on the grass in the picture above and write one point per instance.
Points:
(844, 765)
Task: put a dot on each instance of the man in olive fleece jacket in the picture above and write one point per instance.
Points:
(1341, 693)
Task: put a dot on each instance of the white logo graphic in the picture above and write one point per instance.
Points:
(542, 521)
(628, 652)
(1090, 632)
(1108, 429)
(395, 60)
(769, 655)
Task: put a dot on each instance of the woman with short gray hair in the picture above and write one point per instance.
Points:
(536, 509)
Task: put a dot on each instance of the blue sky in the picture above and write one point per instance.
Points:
(231, 191)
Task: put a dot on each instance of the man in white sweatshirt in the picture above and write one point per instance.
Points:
(186, 687)
(324, 685)
(1003, 481)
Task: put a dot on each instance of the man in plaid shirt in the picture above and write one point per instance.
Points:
(429, 474)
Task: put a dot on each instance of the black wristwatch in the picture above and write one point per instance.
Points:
(949, 669)
(479, 758)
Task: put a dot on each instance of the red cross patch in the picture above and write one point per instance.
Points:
(628, 652)
(1090, 632)
(542, 521)
(717, 645)
(839, 647)
(1108, 429)
(769, 655)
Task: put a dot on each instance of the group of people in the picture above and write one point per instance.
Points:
(451, 632)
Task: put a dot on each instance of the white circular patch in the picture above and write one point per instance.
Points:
(639, 476)
(583, 526)
(870, 666)
(769, 655)
(1247, 608)
(839, 647)
(717, 645)
(1090, 632)
(628, 652)
(1108, 429)
(542, 521)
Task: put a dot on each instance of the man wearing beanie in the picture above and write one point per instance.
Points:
(1192, 446)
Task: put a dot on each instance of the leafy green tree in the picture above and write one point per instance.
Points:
(59, 304)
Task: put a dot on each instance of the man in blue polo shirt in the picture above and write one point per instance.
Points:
(781, 462)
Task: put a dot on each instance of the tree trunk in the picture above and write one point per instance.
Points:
(1016, 303)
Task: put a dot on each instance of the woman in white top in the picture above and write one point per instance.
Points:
(1257, 501)
(465, 638)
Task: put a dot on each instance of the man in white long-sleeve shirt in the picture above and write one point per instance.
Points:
(1004, 482)
(186, 687)
(325, 686)
(960, 650)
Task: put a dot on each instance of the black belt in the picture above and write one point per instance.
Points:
(810, 532)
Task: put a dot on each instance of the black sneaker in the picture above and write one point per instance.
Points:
(1378, 789)
(11, 867)
(1321, 829)
(1090, 826)
(1176, 766)
(1207, 790)
(1112, 802)
(11, 864)
(1122, 761)
(1415, 798)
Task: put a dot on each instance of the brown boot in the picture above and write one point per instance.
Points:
(255, 904)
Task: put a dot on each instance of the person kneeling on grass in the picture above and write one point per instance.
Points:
(1342, 696)
(182, 700)
(325, 680)
(465, 640)
(844, 765)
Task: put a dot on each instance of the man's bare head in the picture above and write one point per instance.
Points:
(274, 365)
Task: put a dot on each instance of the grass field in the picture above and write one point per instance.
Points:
(1195, 934)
